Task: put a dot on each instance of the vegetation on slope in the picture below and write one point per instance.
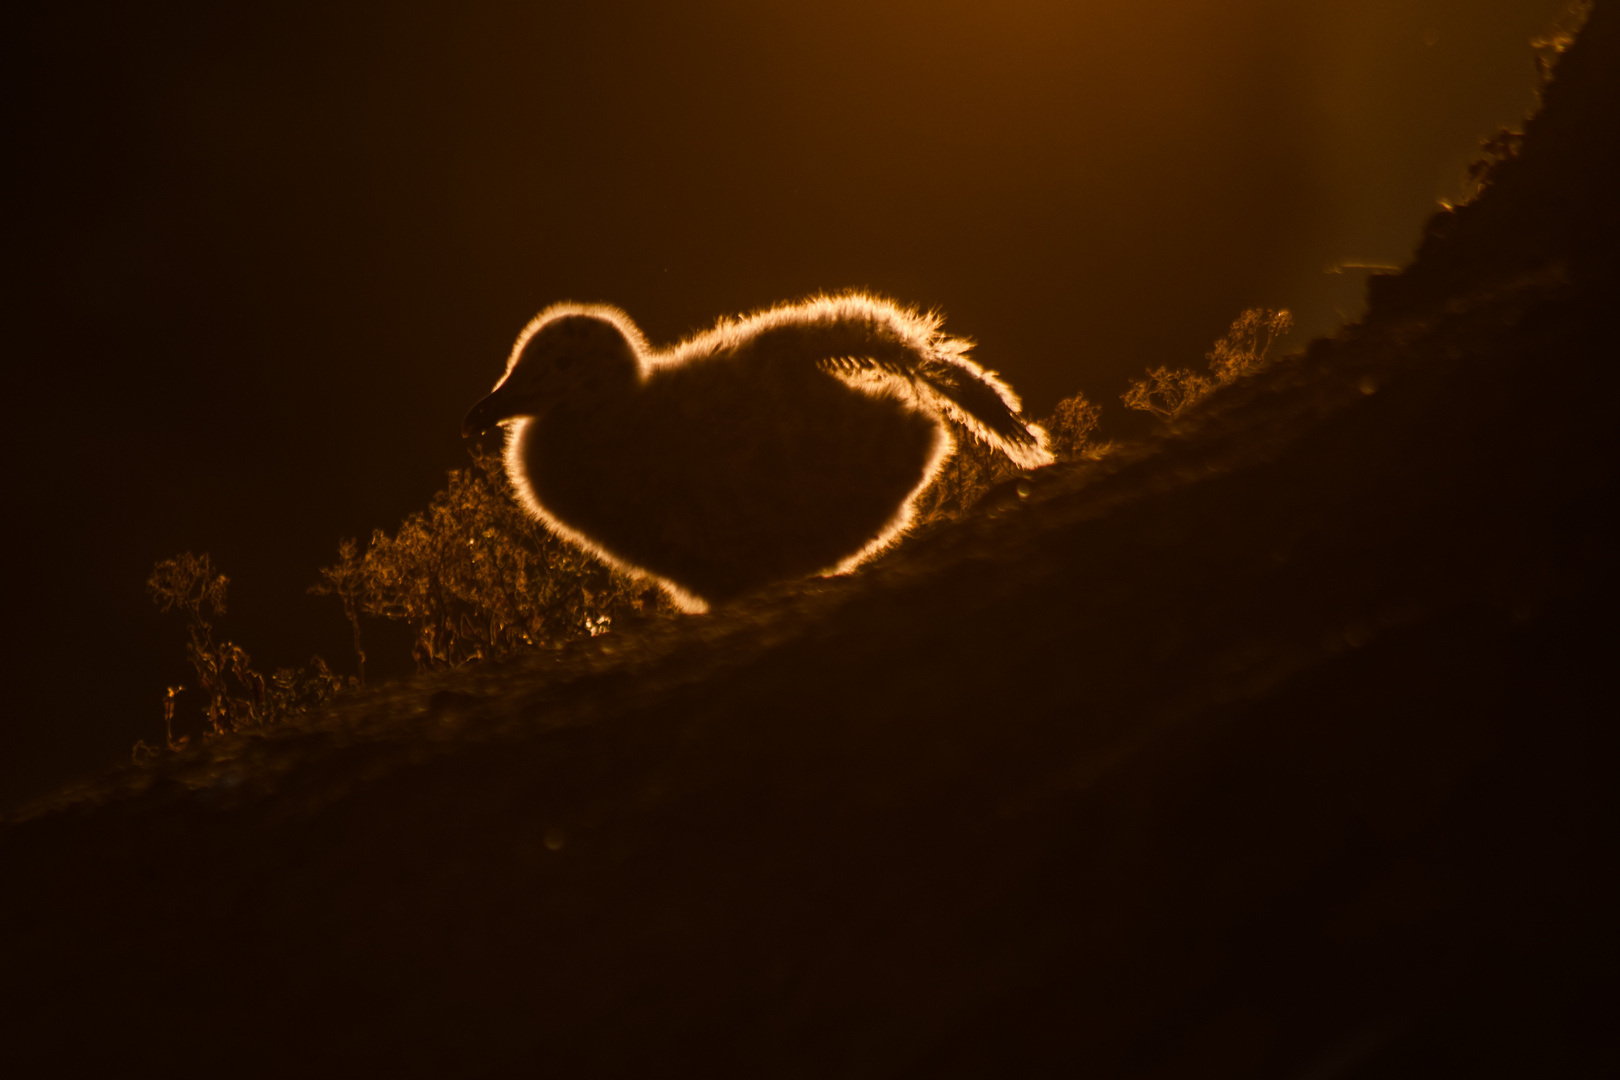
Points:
(475, 578)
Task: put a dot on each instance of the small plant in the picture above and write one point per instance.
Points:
(346, 580)
(1245, 349)
(475, 577)
(975, 468)
(144, 753)
(1247, 346)
(1166, 393)
(236, 696)
(1071, 426)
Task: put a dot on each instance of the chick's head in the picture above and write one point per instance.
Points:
(565, 360)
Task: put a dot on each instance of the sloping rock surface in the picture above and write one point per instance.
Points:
(1281, 747)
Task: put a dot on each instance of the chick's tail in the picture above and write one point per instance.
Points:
(935, 367)
(984, 405)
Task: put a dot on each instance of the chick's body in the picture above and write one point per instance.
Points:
(731, 481)
(785, 444)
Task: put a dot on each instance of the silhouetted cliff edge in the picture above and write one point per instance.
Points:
(1281, 747)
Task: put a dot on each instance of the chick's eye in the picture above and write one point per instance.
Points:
(564, 363)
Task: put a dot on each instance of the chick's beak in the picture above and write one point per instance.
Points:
(486, 414)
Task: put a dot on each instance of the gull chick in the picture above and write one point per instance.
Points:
(780, 444)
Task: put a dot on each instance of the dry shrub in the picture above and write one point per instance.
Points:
(1246, 349)
(476, 578)
(1071, 427)
(975, 468)
(1166, 393)
(236, 697)
(473, 576)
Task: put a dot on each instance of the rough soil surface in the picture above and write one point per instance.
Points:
(1280, 747)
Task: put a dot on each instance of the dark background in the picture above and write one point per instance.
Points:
(266, 258)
